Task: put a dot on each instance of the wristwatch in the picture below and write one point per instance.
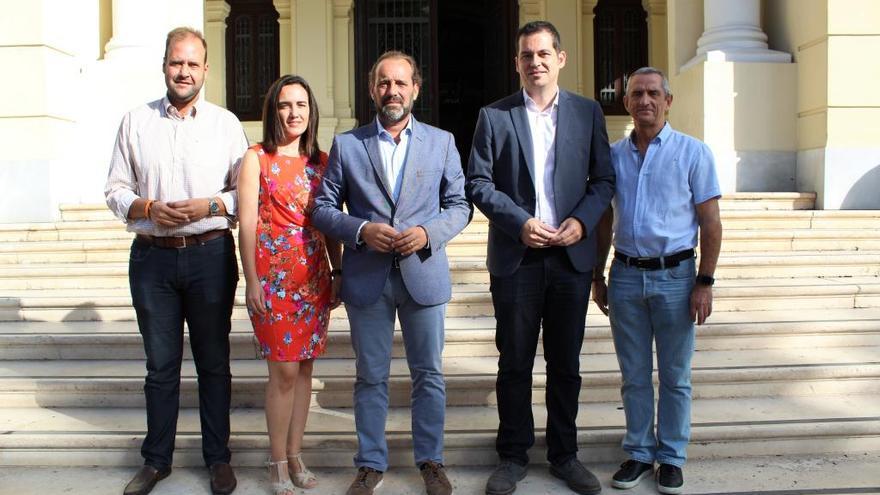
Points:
(213, 207)
(705, 280)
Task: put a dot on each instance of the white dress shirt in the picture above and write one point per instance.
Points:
(542, 124)
(163, 156)
(394, 155)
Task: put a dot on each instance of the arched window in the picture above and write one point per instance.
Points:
(621, 46)
(251, 56)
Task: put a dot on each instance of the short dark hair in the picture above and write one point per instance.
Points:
(536, 27)
(273, 128)
(416, 76)
(182, 33)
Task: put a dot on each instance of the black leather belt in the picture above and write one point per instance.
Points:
(180, 242)
(660, 263)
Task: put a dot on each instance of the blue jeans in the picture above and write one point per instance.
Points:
(169, 286)
(654, 307)
(372, 332)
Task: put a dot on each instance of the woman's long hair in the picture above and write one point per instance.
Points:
(273, 128)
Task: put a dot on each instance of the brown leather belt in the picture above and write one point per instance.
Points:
(182, 241)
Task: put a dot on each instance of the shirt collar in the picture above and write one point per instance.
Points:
(171, 110)
(407, 130)
(531, 105)
(661, 136)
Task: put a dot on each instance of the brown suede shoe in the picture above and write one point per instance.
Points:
(366, 481)
(145, 479)
(436, 482)
(222, 479)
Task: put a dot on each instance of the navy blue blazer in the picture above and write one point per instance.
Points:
(500, 177)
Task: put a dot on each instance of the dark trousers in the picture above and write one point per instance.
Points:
(544, 289)
(197, 285)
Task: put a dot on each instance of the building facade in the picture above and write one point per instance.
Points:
(777, 88)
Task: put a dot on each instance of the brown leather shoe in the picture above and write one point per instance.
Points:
(145, 479)
(436, 482)
(222, 479)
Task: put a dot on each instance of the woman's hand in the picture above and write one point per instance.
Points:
(255, 300)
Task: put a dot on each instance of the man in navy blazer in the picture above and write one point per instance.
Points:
(403, 186)
(540, 170)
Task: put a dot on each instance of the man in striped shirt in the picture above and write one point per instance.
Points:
(172, 181)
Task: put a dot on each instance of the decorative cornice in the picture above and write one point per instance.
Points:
(216, 10)
(283, 8)
(342, 8)
(532, 9)
(654, 7)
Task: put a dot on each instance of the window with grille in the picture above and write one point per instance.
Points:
(252, 60)
(621, 46)
(404, 25)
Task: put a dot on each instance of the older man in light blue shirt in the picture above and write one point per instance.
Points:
(666, 195)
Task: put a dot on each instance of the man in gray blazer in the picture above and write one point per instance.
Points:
(541, 171)
(403, 186)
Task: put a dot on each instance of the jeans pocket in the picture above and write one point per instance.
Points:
(682, 271)
(139, 252)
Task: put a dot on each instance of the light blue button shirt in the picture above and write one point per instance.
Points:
(394, 155)
(655, 198)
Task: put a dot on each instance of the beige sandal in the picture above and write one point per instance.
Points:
(277, 471)
(304, 478)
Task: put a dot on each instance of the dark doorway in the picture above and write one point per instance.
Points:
(467, 63)
(475, 44)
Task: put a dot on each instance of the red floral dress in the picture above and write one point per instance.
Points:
(291, 260)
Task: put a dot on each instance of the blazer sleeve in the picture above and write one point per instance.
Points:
(600, 187)
(454, 207)
(498, 207)
(327, 215)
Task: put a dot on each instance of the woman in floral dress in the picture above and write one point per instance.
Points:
(290, 285)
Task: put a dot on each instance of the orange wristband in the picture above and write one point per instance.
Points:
(147, 208)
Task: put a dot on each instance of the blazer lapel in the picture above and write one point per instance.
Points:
(413, 156)
(524, 135)
(371, 143)
(566, 127)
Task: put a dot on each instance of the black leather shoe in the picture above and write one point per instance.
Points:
(503, 480)
(631, 473)
(222, 479)
(669, 479)
(577, 477)
(145, 479)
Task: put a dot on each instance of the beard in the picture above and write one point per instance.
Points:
(393, 114)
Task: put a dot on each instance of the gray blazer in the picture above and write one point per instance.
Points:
(431, 195)
(501, 176)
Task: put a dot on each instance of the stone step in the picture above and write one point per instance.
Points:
(469, 299)
(110, 269)
(470, 380)
(736, 201)
(822, 473)
(465, 244)
(465, 336)
(768, 201)
(721, 427)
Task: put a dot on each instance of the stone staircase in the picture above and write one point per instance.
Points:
(788, 364)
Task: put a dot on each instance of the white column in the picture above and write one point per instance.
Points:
(732, 32)
(657, 48)
(139, 29)
(216, 12)
(286, 53)
(342, 55)
(739, 97)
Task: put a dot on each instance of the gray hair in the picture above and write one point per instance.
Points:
(650, 70)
